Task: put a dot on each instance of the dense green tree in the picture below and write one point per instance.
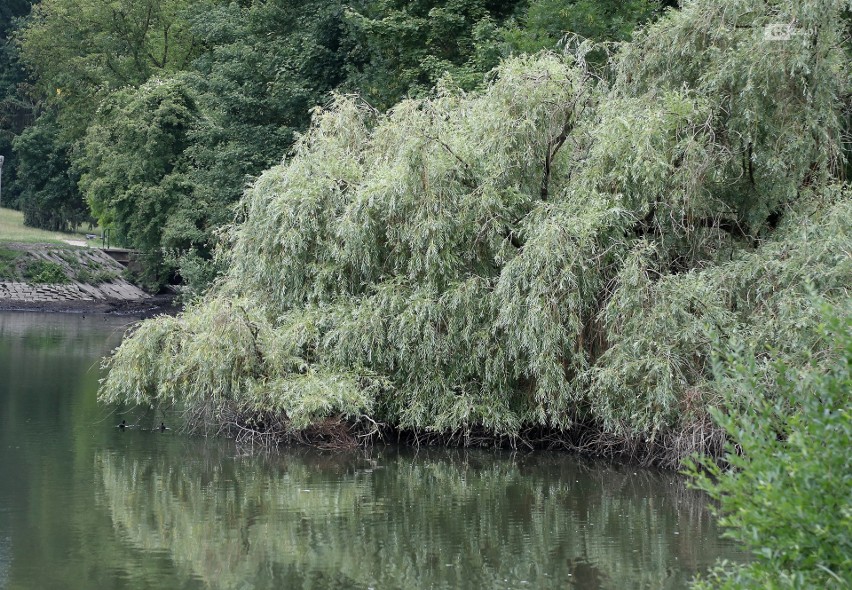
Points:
(551, 250)
(544, 23)
(78, 52)
(404, 48)
(264, 67)
(135, 168)
(9, 11)
(16, 107)
(80, 49)
(47, 180)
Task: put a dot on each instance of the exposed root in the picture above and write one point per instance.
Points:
(265, 431)
(667, 449)
(268, 430)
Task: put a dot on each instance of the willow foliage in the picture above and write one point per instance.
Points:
(555, 248)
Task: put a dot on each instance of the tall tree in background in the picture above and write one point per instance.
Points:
(265, 65)
(79, 51)
(406, 47)
(47, 180)
(135, 167)
(16, 106)
(255, 70)
(543, 23)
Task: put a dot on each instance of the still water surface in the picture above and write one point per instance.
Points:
(86, 505)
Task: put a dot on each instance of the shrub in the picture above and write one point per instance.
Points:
(786, 492)
(94, 276)
(43, 271)
(8, 264)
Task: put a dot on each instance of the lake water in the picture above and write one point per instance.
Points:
(86, 505)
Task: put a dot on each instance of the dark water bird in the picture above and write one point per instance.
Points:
(163, 427)
(123, 424)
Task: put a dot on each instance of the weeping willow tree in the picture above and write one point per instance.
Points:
(555, 256)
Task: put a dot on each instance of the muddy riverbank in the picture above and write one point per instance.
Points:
(151, 306)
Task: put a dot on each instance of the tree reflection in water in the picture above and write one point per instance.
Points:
(396, 519)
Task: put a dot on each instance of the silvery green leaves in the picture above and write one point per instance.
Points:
(551, 250)
(776, 103)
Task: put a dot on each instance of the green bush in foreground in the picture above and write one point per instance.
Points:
(787, 495)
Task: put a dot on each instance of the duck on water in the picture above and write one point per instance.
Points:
(123, 425)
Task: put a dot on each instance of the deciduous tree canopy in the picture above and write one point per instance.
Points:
(557, 250)
(255, 69)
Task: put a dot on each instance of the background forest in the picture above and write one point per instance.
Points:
(618, 227)
(151, 117)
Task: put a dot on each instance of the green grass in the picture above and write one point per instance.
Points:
(12, 229)
(20, 265)
(17, 265)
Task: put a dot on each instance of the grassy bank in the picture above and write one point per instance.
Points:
(37, 256)
(55, 264)
(12, 229)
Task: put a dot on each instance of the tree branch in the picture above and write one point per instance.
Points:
(556, 144)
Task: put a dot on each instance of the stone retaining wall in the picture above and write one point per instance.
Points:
(72, 261)
(32, 293)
